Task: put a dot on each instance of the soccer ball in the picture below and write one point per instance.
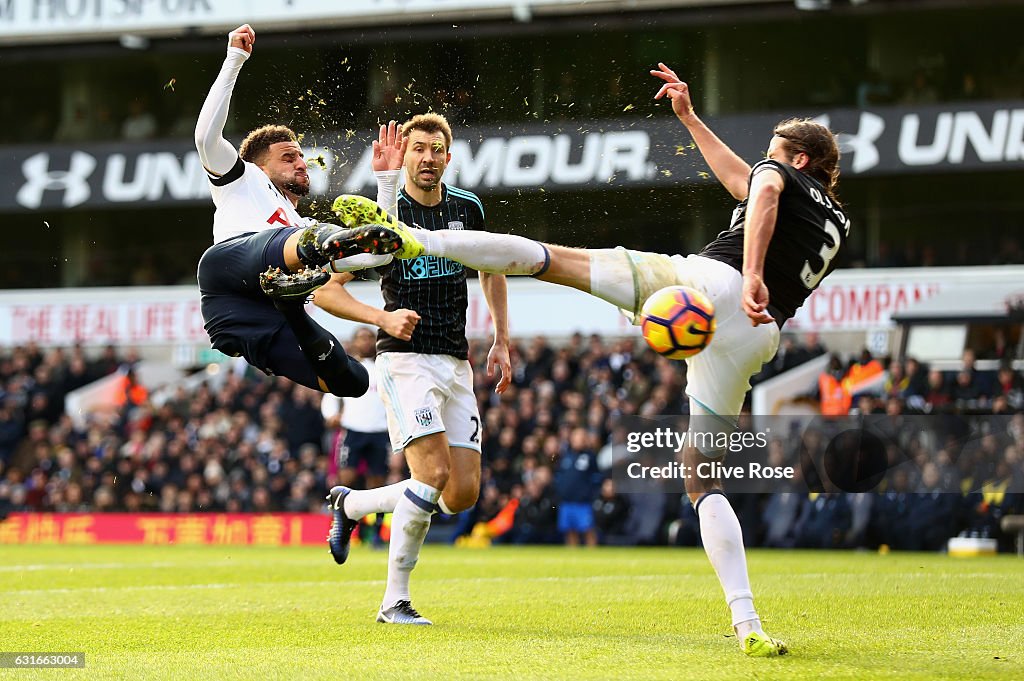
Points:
(678, 322)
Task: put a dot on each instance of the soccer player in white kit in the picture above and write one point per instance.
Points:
(365, 445)
(263, 246)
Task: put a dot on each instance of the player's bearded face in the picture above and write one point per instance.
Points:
(299, 185)
(425, 159)
(287, 169)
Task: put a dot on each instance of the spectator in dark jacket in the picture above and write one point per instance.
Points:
(824, 521)
(610, 512)
(537, 517)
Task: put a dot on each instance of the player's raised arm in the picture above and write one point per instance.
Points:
(731, 170)
(216, 153)
(388, 156)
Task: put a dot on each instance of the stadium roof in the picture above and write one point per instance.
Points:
(22, 21)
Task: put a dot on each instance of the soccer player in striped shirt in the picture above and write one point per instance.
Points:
(426, 381)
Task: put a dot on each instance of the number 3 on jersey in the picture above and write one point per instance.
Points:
(809, 277)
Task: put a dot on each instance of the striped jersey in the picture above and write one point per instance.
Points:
(433, 287)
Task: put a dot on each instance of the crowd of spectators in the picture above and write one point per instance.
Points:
(913, 386)
(254, 443)
(224, 449)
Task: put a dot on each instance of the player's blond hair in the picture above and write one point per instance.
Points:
(818, 142)
(257, 143)
(429, 123)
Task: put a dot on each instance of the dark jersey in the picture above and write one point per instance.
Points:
(810, 229)
(434, 287)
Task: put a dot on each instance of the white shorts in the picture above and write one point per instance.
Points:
(717, 378)
(425, 394)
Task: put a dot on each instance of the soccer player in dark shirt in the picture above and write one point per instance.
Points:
(426, 380)
(782, 241)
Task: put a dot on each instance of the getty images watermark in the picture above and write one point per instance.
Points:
(668, 439)
(934, 453)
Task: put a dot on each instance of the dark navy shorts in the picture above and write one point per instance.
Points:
(365, 450)
(240, 319)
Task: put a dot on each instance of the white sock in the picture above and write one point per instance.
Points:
(363, 502)
(485, 251)
(611, 277)
(362, 261)
(409, 526)
(723, 542)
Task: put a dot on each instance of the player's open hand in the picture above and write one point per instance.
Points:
(498, 357)
(242, 37)
(400, 323)
(675, 89)
(389, 148)
(755, 300)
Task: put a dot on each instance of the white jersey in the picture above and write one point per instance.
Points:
(247, 201)
(362, 414)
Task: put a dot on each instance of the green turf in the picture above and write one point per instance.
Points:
(258, 613)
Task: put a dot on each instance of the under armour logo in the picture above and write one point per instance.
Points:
(329, 351)
(861, 143)
(39, 178)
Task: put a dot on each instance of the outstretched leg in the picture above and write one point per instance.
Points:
(619, 276)
(623, 278)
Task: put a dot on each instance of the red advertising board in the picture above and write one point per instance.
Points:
(111, 321)
(271, 529)
(852, 306)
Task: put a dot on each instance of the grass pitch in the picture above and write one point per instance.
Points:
(550, 613)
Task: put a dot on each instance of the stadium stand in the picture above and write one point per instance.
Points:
(106, 147)
(258, 444)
